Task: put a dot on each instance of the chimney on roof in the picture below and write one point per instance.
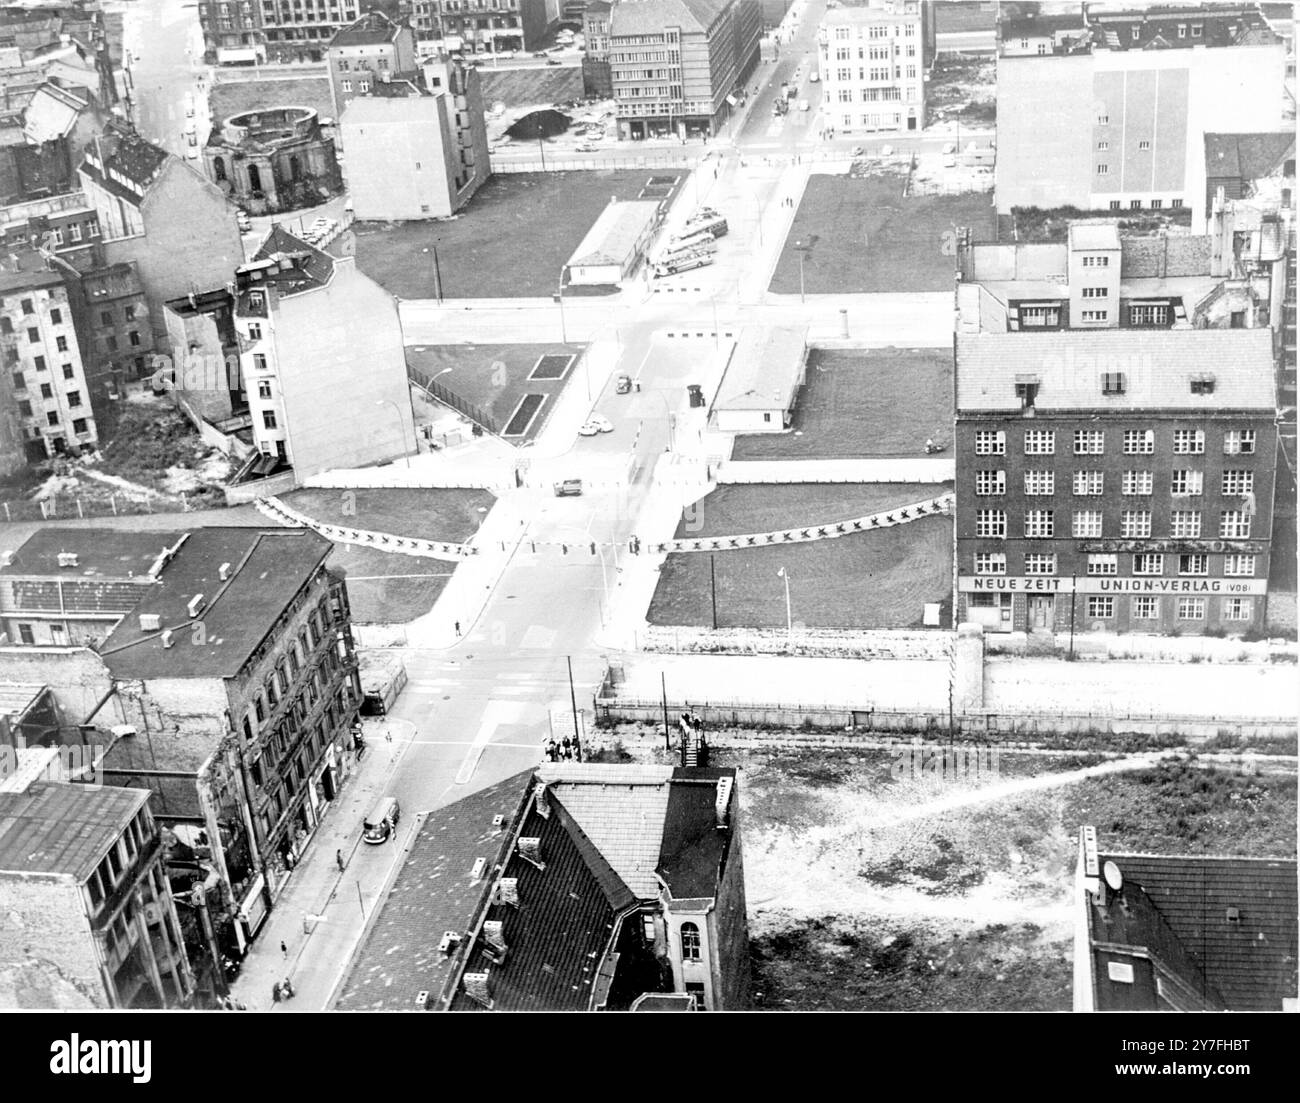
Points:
(543, 801)
(67, 559)
(722, 803)
(506, 891)
(530, 850)
(494, 940)
(223, 572)
(150, 622)
(195, 606)
(6, 558)
(476, 988)
(167, 640)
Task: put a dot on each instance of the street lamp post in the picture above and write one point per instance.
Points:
(559, 298)
(401, 424)
(789, 623)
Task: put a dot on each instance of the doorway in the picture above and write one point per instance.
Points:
(1042, 612)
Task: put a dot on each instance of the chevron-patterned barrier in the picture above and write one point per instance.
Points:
(403, 545)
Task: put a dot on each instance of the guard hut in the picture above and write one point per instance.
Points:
(615, 244)
(762, 380)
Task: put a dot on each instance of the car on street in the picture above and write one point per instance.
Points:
(803, 105)
(814, 77)
(192, 153)
(623, 384)
(539, 53)
(601, 422)
(245, 223)
(568, 488)
(553, 61)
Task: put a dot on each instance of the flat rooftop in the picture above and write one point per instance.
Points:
(101, 553)
(61, 829)
(764, 370)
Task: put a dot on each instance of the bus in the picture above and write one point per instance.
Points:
(715, 225)
(681, 264)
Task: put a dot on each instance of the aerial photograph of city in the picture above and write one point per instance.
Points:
(648, 505)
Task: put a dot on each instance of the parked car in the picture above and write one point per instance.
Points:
(813, 77)
(601, 423)
(245, 223)
(539, 53)
(381, 824)
(568, 488)
(803, 105)
(623, 384)
(553, 61)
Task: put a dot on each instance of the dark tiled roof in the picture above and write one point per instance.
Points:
(101, 553)
(1247, 156)
(372, 29)
(432, 893)
(63, 829)
(268, 566)
(11, 282)
(312, 268)
(693, 851)
(113, 282)
(1249, 964)
(136, 158)
(1165, 256)
(1038, 26)
(558, 934)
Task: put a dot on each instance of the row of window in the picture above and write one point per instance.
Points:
(1138, 204)
(1183, 483)
(1040, 524)
(876, 30)
(1147, 606)
(876, 95)
(1092, 442)
(871, 53)
(1101, 565)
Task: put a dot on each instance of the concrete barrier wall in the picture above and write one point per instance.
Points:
(244, 493)
(1178, 649)
(811, 643)
(883, 470)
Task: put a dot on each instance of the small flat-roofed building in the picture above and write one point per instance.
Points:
(615, 243)
(762, 380)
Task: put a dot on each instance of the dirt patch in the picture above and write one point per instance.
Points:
(962, 90)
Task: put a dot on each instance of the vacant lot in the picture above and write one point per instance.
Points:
(527, 87)
(510, 241)
(495, 378)
(963, 90)
(881, 579)
(858, 234)
(859, 402)
(386, 588)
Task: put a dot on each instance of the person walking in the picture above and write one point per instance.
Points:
(457, 628)
(338, 859)
(284, 948)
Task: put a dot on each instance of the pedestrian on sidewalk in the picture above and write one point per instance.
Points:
(338, 859)
(457, 627)
(284, 948)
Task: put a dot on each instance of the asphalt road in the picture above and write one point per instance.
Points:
(165, 46)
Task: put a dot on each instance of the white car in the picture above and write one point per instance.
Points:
(813, 77)
(597, 423)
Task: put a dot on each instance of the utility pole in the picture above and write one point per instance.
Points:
(1074, 597)
(573, 699)
(713, 592)
(437, 275)
(663, 685)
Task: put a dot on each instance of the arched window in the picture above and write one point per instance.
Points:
(254, 179)
(295, 168)
(690, 942)
(219, 168)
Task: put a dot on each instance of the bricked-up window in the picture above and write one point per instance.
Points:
(1135, 523)
(1146, 607)
(1189, 442)
(989, 483)
(1039, 524)
(1239, 566)
(1086, 522)
(1191, 608)
(1040, 442)
(1040, 563)
(990, 442)
(1194, 564)
(1185, 522)
(1139, 442)
(1148, 563)
(1238, 482)
(1088, 482)
(1234, 523)
(1089, 442)
(1137, 482)
(1103, 564)
(990, 563)
(1101, 607)
(1236, 608)
(1040, 482)
(1239, 442)
(991, 522)
(1187, 483)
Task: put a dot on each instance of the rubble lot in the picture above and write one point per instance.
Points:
(962, 89)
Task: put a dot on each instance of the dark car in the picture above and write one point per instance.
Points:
(552, 61)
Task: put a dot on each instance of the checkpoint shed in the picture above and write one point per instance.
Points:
(616, 242)
(761, 381)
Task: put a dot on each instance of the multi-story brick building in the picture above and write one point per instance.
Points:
(488, 26)
(92, 897)
(289, 31)
(597, 77)
(232, 30)
(43, 363)
(874, 62)
(674, 63)
(1116, 480)
(366, 53)
(117, 338)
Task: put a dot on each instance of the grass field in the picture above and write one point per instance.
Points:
(495, 377)
(858, 402)
(880, 579)
(511, 241)
(860, 235)
(452, 515)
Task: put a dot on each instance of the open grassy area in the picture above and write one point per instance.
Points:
(494, 378)
(511, 241)
(384, 587)
(881, 579)
(860, 402)
(858, 234)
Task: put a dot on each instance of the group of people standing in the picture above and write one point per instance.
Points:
(566, 750)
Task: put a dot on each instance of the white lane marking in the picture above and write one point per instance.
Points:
(495, 713)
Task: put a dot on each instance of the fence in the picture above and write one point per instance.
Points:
(436, 390)
(588, 164)
(64, 507)
(933, 187)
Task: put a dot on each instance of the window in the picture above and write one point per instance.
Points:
(1148, 563)
(1114, 204)
(1103, 119)
(1135, 522)
(1185, 523)
(1189, 442)
(1040, 563)
(1039, 524)
(20, 381)
(347, 86)
(990, 483)
(134, 338)
(1088, 482)
(254, 331)
(1148, 314)
(25, 633)
(34, 336)
(1144, 144)
(52, 417)
(1191, 608)
(990, 563)
(1239, 566)
(263, 388)
(1103, 564)
(1188, 483)
(110, 343)
(1095, 315)
(74, 398)
(1096, 292)
(38, 362)
(129, 313)
(1196, 30)
(990, 522)
(1156, 204)
(1102, 146)
(47, 391)
(1136, 482)
(61, 343)
(25, 409)
(1096, 262)
(1236, 608)
(1040, 482)
(1146, 607)
(74, 231)
(1234, 523)
(268, 419)
(990, 442)
(79, 425)
(1040, 442)
(27, 307)
(1089, 442)
(1239, 442)
(1194, 564)
(690, 942)
(1103, 170)
(56, 316)
(1135, 204)
(1175, 202)
(6, 325)
(1139, 442)
(106, 317)
(1086, 522)
(68, 371)
(1101, 607)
